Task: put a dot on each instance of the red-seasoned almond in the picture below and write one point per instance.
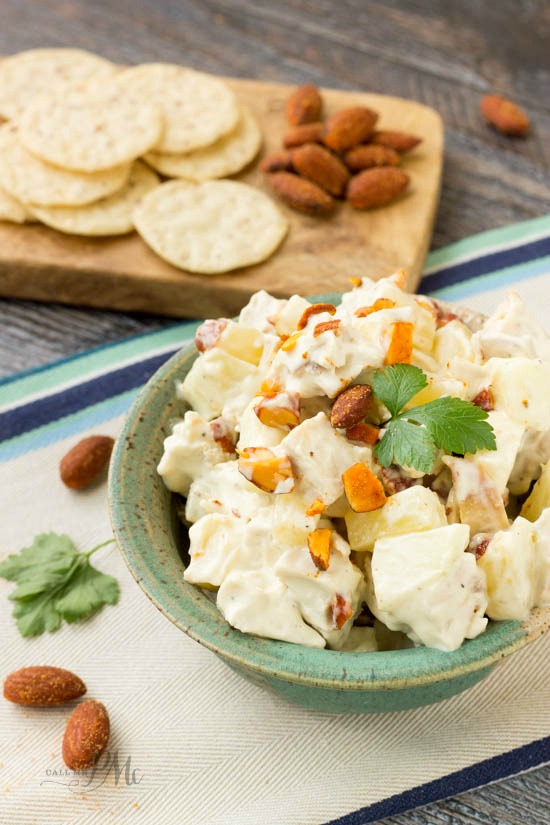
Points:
(209, 333)
(277, 162)
(317, 164)
(85, 461)
(314, 309)
(342, 611)
(348, 127)
(326, 326)
(86, 735)
(376, 187)
(42, 685)
(351, 406)
(364, 491)
(318, 542)
(305, 105)
(398, 141)
(504, 115)
(369, 155)
(363, 433)
(301, 194)
(307, 133)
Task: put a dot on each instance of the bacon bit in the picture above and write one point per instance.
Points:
(401, 345)
(318, 542)
(279, 409)
(341, 609)
(355, 282)
(394, 481)
(290, 342)
(209, 333)
(316, 508)
(269, 472)
(326, 326)
(364, 491)
(223, 435)
(380, 303)
(364, 433)
(484, 399)
(314, 309)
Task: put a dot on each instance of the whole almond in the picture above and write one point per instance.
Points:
(351, 406)
(304, 105)
(317, 164)
(42, 685)
(370, 155)
(398, 141)
(348, 127)
(307, 133)
(85, 461)
(301, 194)
(504, 115)
(376, 187)
(86, 735)
(277, 162)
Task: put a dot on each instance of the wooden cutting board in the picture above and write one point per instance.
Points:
(318, 255)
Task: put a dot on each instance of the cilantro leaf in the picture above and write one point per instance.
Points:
(407, 444)
(55, 582)
(394, 386)
(456, 426)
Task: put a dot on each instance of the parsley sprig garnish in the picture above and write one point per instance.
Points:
(413, 436)
(55, 582)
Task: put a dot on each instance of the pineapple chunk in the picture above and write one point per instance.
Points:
(409, 511)
(242, 342)
(539, 497)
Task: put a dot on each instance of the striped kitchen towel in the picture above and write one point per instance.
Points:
(191, 741)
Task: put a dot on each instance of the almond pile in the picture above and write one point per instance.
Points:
(342, 157)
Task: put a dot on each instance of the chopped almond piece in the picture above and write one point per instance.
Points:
(380, 303)
(342, 611)
(314, 309)
(316, 508)
(269, 389)
(280, 409)
(270, 472)
(355, 282)
(364, 433)
(223, 434)
(318, 542)
(290, 342)
(209, 333)
(401, 345)
(326, 326)
(364, 491)
(484, 399)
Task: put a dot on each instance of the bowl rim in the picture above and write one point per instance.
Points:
(186, 605)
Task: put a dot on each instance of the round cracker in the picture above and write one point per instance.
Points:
(226, 156)
(11, 210)
(110, 216)
(210, 227)
(28, 75)
(89, 131)
(34, 181)
(197, 108)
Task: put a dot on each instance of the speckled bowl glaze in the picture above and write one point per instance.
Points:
(149, 536)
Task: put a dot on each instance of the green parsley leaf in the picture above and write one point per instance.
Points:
(394, 386)
(55, 582)
(412, 436)
(407, 444)
(456, 426)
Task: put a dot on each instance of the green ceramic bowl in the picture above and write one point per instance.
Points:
(150, 539)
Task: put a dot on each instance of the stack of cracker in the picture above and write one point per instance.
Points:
(84, 140)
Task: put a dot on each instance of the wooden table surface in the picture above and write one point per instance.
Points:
(445, 53)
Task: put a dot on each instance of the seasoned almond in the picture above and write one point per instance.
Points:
(269, 472)
(400, 349)
(209, 333)
(42, 685)
(280, 409)
(305, 105)
(322, 167)
(342, 611)
(86, 735)
(380, 303)
(223, 434)
(348, 127)
(301, 194)
(363, 433)
(307, 133)
(326, 326)
(376, 187)
(314, 309)
(364, 491)
(318, 542)
(367, 156)
(400, 142)
(86, 461)
(277, 162)
(504, 115)
(484, 399)
(351, 406)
